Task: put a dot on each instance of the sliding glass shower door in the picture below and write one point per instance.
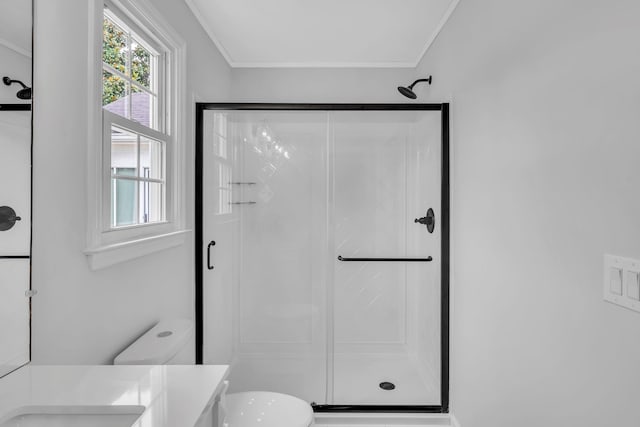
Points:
(318, 282)
(386, 309)
(265, 207)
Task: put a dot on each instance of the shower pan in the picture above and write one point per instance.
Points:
(322, 242)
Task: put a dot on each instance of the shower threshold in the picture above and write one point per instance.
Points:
(367, 419)
(388, 409)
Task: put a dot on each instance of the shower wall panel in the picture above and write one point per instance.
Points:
(15, 177)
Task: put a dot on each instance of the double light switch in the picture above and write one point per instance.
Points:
(622, 281)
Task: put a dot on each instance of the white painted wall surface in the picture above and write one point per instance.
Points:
(321, 85)
(546, 142)
(81, 316)
(16, 66)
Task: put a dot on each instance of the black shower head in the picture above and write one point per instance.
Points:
(24, 93)
(408, 91)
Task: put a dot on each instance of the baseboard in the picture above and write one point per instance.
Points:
(454, 421)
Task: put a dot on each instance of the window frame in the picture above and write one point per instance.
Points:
(107, 245)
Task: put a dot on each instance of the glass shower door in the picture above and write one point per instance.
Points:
(386, 309)
(265, 207)
(308, 289)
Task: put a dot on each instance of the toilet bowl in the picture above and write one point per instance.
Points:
(168, 342)
(267, 409)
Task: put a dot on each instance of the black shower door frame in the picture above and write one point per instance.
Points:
(444, 249)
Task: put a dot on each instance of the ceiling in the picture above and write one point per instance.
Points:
(15, 26)
(322, 33)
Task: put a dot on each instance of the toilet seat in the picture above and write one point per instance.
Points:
(267, 409)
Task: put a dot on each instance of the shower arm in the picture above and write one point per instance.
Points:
(418, 81)
(7, 81)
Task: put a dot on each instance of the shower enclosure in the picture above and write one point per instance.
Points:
(323, 234)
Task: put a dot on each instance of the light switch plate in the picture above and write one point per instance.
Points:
(622, 281)
(615, 280)
(632, 284)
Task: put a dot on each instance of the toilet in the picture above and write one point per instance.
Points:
(168, 342)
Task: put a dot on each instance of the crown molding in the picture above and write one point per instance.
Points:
(434, 36)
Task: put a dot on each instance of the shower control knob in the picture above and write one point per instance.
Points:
(429, 220)
(424, 220)
(8, 218)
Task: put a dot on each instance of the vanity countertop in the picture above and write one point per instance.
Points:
(172, 395)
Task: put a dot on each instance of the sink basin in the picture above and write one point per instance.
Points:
(72, 416)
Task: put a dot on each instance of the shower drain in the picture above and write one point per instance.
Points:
(386, 385)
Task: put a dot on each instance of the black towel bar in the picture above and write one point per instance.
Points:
(427, 259)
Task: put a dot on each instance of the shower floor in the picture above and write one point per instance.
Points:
(357, 378)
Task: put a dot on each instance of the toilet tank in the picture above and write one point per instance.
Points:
(168, 342)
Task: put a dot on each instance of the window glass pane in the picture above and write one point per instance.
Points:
(225, 195)
(220, 146)
(114, 46)
(114, 94)
(220, 138)
(123, 202)
(220, 123)
(124, 151)
(151, 158)
(151, 202)
(143, 108)
(141, 64)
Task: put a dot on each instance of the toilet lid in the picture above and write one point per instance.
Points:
(267, 409)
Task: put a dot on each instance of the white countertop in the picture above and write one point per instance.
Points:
(173, 396)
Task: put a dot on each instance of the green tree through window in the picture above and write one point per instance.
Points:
(116, 44)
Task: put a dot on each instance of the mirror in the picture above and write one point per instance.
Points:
(15, 182)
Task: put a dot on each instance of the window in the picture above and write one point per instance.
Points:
(136, 174)
(135, 133)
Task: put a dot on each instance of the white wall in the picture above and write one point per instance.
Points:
(81, 316)
(16, 66)
(347, 85)
(546, 143)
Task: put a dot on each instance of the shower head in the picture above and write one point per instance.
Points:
(408, 91)
(24, 93)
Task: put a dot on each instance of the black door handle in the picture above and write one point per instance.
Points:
(211, 243)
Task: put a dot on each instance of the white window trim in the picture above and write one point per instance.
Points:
(106, 247)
